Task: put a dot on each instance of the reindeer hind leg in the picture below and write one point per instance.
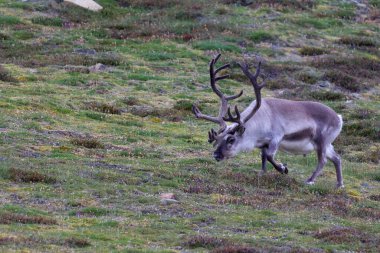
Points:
(321, 153)
(335, 159)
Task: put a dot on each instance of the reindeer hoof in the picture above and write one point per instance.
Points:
(340, 186)
(309, 182)
(284, 169)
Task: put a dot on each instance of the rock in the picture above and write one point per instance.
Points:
(33, 71)
(324, 84)
(168, 198)
(141, 110)
(365, 185)
(98, 68)
(87, 4)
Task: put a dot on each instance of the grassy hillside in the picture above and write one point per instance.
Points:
(87, 150)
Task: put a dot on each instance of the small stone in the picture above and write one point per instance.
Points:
(98, 68)
(365, 185)
(86, 51)
(356, 95)
(168, 196)
(324, 84)
(168, 201)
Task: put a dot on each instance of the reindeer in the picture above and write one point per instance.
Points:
(273, 124)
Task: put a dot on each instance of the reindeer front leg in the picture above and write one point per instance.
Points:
(270, 153)
(264, 159)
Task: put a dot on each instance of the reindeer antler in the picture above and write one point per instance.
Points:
(223, 99)
(257, 89)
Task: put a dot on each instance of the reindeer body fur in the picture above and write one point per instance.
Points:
(297, 127)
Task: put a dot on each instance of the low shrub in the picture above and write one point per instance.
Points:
(151, 4)
(205, 242)
(364, 128)
(29, 176)
(318, 23)
(312, 51)
(356, 66)
(307, 77)
(326, 95)
(357, 41)
(93, 211)
(9, 218)
(183, 105)
(103, 107)
(343, 80)
(74, 242)
(341, 235)
(260, 35)
(281, 82)
(5, 75)
(87, 142)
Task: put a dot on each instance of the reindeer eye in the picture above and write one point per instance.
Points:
(230, 140)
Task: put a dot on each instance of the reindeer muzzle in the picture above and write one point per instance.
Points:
(218, 157)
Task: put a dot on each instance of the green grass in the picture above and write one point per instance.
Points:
(9, 20)
(375, 3)
(85, 156)
(261, 35)
(318, 23)
(47, 21)
(216, 45)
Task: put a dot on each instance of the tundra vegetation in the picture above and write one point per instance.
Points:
(87, 149)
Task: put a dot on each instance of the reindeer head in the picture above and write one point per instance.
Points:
(228, 138)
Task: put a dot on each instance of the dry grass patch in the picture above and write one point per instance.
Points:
(8, 240)
(103, 107)
(87, 142)
(358, 65)
(29, 176)
(278, 5)
(5, 75)
(357, 41)
(375, 197)
(338, 204)
(201, 186)
(258, 200)
(250, 249)
(74, 242)
(150, 4)
(9, 218)
(312, 51)
(343, 80)
(342, 235)
(164, 113)
(205, 242)
(237, 249)
(367, 213)
(270, 180)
